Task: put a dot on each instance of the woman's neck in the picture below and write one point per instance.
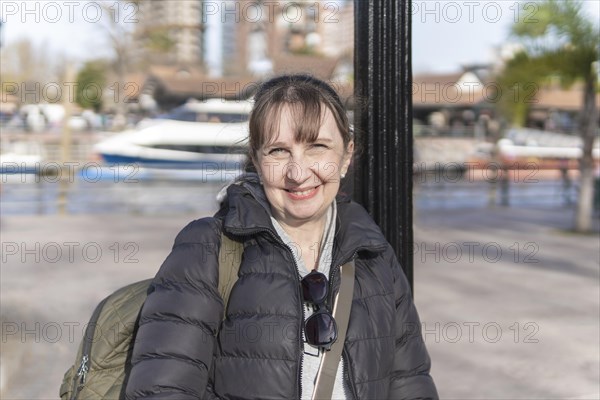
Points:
(307, 238)
(306, 234)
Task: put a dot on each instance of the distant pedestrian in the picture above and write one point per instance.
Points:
(566, 180)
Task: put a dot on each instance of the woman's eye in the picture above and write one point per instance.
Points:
(319, 146)
(277, 151)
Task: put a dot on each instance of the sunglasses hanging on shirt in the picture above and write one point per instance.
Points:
(320, 329)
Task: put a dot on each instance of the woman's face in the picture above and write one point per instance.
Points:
(301, 180)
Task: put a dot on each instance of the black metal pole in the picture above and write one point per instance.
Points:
(383, 120)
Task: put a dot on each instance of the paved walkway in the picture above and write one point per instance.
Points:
(511, 307)
(509, 301)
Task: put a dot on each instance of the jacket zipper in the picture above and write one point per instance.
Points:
(300, 345)
(300, 334)
(332, 274)
(347, 375)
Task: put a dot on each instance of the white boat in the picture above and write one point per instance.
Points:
(531, 143)
(179, 144)
(211, 134)
(211, 110)
(22, 156)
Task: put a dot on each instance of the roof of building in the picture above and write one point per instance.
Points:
(318, 66)
(193, 82)
(132, 87)
(449, 90)
(8, 98)
(560, 99)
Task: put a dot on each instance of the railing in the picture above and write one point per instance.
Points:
(65, 188)
(81, 148)
(190, 192)
(548, 192)
(450, 131)
(106, 191)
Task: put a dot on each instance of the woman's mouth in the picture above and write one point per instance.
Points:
(302, 194)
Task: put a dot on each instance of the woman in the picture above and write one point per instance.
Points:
(291, 224)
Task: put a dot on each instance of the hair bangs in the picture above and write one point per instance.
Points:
(306, 99)
(306, 116)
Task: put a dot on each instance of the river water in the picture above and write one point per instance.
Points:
(101, 190)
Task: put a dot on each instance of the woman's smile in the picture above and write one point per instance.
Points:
(302, 194)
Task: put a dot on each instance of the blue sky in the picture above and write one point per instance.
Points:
(446, 34)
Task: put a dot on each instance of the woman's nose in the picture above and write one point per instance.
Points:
(299, 168)
(294, 171)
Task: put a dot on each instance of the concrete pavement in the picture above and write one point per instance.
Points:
(509, 300)
(510, 309)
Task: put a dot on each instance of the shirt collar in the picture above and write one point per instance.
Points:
(326, 245)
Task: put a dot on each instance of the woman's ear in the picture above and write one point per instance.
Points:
(347, 158)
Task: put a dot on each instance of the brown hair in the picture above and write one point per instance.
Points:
(305, 97)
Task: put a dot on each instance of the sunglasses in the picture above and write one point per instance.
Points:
(320, 329)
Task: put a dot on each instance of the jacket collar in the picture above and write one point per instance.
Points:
(245, 207)
(246, 212)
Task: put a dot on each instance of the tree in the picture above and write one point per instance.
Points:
(91, 82)
(562, 41)
(519, 81)
(24, 62)
(116, 27)
(159, 40)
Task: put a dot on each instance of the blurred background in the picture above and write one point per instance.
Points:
(121, 120)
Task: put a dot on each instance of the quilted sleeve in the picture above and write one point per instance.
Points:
(173, 350)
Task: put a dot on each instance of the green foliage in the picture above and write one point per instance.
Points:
(558, 41)
(306, 51)
(520, 82)
(160, 41)
(91, 82)
(562, 36)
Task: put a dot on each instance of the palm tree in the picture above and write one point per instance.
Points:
(562, 41)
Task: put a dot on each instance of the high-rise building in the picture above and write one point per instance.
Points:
(336, 30)
(249, 38)
(170, 32)
(256, 34)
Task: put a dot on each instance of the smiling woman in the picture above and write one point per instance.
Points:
(301, 152)
(301, 166)
(268, 339)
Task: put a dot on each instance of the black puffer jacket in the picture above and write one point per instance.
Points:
(258, 352)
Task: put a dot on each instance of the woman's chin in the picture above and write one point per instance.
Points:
(296, 215)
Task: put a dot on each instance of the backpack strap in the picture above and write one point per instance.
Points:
(86, 350)
(230, 258)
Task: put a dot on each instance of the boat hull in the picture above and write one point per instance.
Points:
(209, 164)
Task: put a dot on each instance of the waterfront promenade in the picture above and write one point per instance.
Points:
(509, 299)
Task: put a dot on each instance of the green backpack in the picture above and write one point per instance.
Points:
(103, 362)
